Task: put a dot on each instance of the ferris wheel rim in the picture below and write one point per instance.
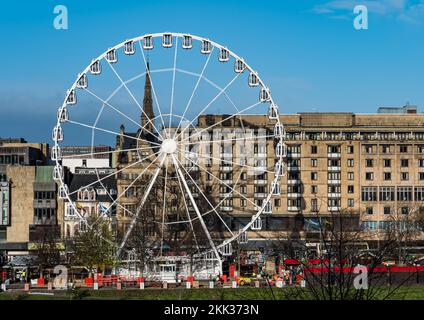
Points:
(215, 45)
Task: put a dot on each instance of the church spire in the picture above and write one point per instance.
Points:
(148, 113)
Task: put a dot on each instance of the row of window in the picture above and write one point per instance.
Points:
(387, 176)
(389, 194)
(355, 136)
(388, 210)
(12, 159)
(89, 194)
(369, 176)
(368, 149)
(330, 176)
(403, 148)
(389, 225)
(369, 163)
(43, 214)
(387, 163)
(41, 195)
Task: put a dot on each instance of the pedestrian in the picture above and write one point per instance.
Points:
(23, 276)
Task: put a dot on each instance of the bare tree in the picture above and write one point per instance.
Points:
(405, 224)
(343, 250)
(342, 255)
(46, 240)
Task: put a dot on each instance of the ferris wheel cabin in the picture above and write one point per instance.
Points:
(239, 66)
(167, 40)
(71, 97)
(82, 81)
(62, 114)
(187, 42)
(224, 55)
(148, 43)
(95, 68)
(111, 56)
(129, 48)
(206, 47)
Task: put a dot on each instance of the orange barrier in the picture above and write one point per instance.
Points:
(89, 281)
(378, 269)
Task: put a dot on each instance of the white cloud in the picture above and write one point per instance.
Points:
(411, 11)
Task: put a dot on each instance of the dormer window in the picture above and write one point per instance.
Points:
(87, 195)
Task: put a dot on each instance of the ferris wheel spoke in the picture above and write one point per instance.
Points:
(105, 102)
(251, 137)
(111, 132)
(193, 202)
(219, 180)
(204, 235)
(151, 82)
(132, 183)
(186, 207)
(118, 205)
(207, 200)
(213, 84)
(143, 200)
(210, 103)
(110, 197)
(106, 152)
(114, 173)
(135, 100)
(226, 119)
(164, 206)
(173, 84)
(233, 163)
(194, 91)
(207, 80)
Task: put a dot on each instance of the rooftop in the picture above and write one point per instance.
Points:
(97, 182)
(399, 110)
(12, 140)
(101, 152)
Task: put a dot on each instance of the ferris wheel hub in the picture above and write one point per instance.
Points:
(169, 146)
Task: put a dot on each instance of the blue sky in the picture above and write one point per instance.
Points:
(307, 51)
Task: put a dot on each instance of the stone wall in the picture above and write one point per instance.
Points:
(22, 195)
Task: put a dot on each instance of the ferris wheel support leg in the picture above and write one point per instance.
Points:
(143, 200)
(220, 266)
(202, 222)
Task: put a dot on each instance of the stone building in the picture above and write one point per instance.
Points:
(368, 165)
(28, 195)
(33, 205)
(92, 192)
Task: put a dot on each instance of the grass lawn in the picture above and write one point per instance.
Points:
(404, 293)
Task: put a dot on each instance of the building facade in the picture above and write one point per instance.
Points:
(92, 192)
(28, 196)
(368, 165)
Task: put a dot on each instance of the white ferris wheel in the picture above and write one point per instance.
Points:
(197, 143)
